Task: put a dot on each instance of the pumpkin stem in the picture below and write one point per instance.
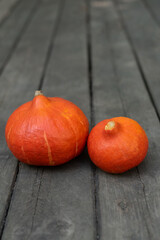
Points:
(38, 92)
(110, 125)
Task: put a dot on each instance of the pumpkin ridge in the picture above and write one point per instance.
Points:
(76, 147)
(70, 123)
(8, 135)
(47, 131)
(51, 162)
(24, 154)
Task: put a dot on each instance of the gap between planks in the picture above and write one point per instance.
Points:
(147, 89)
(9, 199)
(125, 114)
(18, 38)
(1, 71)
(51, 45)
(91, 96)
(10, 10)
(151, 11)
(136, 57)
(50, 49)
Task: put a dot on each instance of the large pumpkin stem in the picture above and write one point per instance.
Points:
(38, 92)
(110, 125)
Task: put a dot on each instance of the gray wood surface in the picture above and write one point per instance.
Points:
(6, 6)
(12, 29)
(104, 56)
(153, 7)
(18, 82)
(143, 33)
(8, 166)
(127, 204)
(58, 203)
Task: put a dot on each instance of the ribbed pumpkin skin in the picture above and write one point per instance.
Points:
(47, 131)
(119, 149)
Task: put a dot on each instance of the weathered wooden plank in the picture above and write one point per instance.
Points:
(13, 28)
(57, 203)
(153, 7)
(6, 7)
(19, 80)
(8, 37)
(143, 32)
(128, 204)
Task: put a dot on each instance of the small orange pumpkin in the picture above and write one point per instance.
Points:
(47, 131)
(117, 145)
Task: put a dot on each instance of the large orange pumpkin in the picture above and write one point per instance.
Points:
(117, 145)
(47, 131)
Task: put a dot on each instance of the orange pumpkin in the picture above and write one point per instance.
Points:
(117, 145)
(47, 131)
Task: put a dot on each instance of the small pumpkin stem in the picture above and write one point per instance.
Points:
(38, 92)
(110, 125)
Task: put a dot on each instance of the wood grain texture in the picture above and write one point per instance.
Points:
(8, 166)
(17, 83)
(143, 33)
(13, 28)
(153, 7)
(57, 203)
(128, 204)
(6, 6)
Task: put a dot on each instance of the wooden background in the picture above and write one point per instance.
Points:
(105, 57)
